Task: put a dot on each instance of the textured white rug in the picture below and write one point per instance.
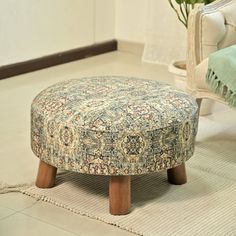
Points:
(206, 205)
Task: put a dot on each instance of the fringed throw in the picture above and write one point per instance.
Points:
(221, 75)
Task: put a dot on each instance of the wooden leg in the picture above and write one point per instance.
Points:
(199, 102)
(46, 175)
(119, 195)
(177, 175)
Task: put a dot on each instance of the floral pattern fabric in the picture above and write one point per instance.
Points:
(113, 125)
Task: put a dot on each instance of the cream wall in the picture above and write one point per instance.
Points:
(104, 20)
(32, 28)
(130, 19)
(153, 23)
(133, 17)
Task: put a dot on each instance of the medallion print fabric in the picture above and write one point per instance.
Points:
(113, 125)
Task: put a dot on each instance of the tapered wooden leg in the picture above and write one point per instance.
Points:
(46, 175)
(119, 195)
(199, 102)
(177, 175)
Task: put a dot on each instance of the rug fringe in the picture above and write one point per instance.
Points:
(7, 188)
(82, 213)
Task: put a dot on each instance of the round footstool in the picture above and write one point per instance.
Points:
(115, 126)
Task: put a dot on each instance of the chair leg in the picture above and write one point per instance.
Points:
(177, 175)
(119, 195)
(199, 102)
(46, 175)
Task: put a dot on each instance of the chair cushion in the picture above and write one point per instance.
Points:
(217, 30)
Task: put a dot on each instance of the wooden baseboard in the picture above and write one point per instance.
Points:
(57, 59)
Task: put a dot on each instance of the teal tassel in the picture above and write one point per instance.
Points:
(219, 88)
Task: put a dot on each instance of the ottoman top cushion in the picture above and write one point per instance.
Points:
(112, 104)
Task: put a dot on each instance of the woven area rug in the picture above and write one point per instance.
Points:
(206, 205)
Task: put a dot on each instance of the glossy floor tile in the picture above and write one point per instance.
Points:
(16, 201)
(5, 212)
(22, 225)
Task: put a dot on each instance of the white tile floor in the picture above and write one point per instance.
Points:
(21, 215)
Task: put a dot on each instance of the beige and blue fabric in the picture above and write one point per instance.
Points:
(221, 75)
(113, 126)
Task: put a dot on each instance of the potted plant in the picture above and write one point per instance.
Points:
(182, 9)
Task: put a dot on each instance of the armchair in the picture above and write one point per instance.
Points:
(210, 28)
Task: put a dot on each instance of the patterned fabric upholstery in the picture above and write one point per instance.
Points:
(113, 126)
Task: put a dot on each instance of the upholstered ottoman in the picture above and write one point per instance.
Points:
(113, 126)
